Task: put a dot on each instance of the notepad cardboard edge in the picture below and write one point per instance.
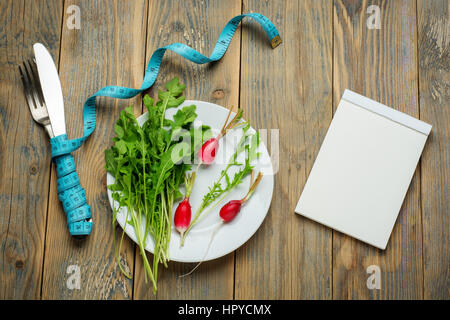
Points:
(387, 112)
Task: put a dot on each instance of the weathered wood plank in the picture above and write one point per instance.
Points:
(197, 24)
(24, 148)
(289, 89)
(109, 49)
(380, 64)
(434, 84)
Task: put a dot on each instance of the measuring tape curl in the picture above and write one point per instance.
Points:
(154, 64)
(69, 190)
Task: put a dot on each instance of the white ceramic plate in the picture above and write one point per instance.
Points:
(229, 236)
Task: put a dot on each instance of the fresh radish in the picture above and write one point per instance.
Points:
(182, 217)
(228, 212)
(208, 151)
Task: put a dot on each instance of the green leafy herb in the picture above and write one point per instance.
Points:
(148, 166)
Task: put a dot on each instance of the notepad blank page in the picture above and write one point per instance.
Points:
(361, 174)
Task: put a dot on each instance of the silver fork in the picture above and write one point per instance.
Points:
(33, 93)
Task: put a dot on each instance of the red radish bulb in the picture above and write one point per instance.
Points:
(208, 151)
(230, 210)
(183, 216)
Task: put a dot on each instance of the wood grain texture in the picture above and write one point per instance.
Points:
(24, 149)
(294, 88)
(380, 64)
(197, 24)
(109, 49)
(434, 92)
(288, 89)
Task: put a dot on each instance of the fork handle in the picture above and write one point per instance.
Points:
(70, 192)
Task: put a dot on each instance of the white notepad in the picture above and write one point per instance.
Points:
(363, 169)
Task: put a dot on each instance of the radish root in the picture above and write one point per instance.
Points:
(207, 250)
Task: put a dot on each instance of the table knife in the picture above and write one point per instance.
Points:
(70, 192)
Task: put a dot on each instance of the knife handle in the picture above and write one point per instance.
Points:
(70, 192)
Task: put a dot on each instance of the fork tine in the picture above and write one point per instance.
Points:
(27, 89)
(37, 81)
(33, 88)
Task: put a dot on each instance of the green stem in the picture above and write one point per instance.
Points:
(165, 103)
(114, 219)
(120, 247)
(137, 217)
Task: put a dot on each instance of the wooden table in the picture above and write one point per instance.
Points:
(327, 47)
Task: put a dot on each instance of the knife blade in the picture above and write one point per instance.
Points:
(51, 88)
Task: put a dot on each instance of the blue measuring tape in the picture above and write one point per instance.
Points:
(69, 190)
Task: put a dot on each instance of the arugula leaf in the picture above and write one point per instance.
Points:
(148, 102)
(119, 131)
(121, 146)
(171, 98)
(183, 117)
